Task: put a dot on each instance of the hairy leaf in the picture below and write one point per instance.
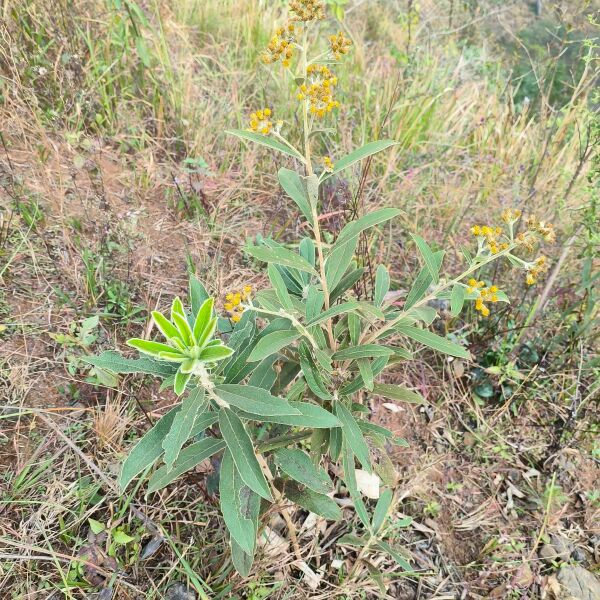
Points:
(239, 443)
(353, 435)
(428, 256)
(433, 341)
(361, 153)
(182, 425)
(188, 458)
(280, 256)
(115, 363)
(297, 464)
(396, 392)
(255, 400)
(316, 503)
(265, 140)
(295, 187)
(272, 343)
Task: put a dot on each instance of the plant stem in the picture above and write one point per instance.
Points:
(282, 440)
(313, 201)
(387, 326)
(290, 146)
(284, 512)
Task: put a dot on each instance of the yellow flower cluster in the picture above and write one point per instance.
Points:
(307, 10)
(233, 304)
(281, 46)
(328, 164)
(260, 122)
(319, 90)
(339, 44)
(511, 215)
(486, 294)
(535, 269)
(491, 235)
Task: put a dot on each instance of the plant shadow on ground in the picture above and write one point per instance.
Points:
(115, 182)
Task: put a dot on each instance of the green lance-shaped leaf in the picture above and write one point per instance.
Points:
(402, 562)
(381, 509)
(376, 217)
(428, 256)
(353, 435)
(271, 343)
(334, 311)
(346, 282)
(115, 363)
(311, 373)
(396, 392)
(373, 430)
(354, 328)
(377, 366)
(242, 561)
(182, 425)
(350, 481)
(382, 285)
(316, 503)
(198, 294)
(181, 381)
(265, 140)
(156, 349)
(314, 302)
(215, 353)
(147, 451)
(165, 326)
(339, 260)
(343, 250)
(254, 400)
(281, 256)
(359, 154)
(297, 464)
(311, 416)
(179, 319)
(188, 458)
(366, 372)
(239, 443)
(423, 281)
(264, 376)
(433, 341)
(241, 528)
(203, 317)
(427, 314)
(295, 187)
(457, 299)
(364, 351)
(280, 288)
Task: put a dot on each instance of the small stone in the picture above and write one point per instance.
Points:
(577, 584)
(547, 553)
(578, 555)
(558, 549)
(180, 591)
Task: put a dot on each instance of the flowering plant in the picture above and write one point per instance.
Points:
(301, 357)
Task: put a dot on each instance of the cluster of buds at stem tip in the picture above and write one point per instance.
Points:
(328, 164)
(307, 10)
(281, 46)
(260, 121)
(484, 294)
(189, 341)
(233, 303)
(491, 236)
(318, 91)
(535, 269)
(339, 44)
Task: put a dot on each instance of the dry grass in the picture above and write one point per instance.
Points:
(98, 140)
